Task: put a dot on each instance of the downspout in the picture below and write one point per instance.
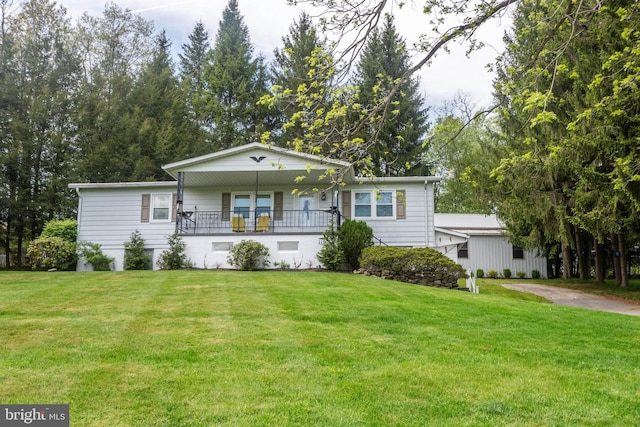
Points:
(429, 215)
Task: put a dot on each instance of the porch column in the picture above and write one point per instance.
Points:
(179, 203)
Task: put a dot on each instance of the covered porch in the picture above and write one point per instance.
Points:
(257, 189)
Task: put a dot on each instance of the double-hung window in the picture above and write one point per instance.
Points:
(161, 207)
(373, 204)
(244, 204)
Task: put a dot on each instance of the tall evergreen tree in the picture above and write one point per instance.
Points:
(193, 59)
(159, 110)
(234, 83)
(114, 48)
(556, 179)
(395, 142)
(37, 145)
(293, 69)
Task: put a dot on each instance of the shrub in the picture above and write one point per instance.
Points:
(46, 253)
(535, 274)
(492, 274)
(174, 258)
(249, 255)
(418, 265)
(506, 273)
(479, 273)
(135, 257)
(92, 253)
(331, 256)
(66, 229)
(353, 237)
(282, 265)
(521, 274)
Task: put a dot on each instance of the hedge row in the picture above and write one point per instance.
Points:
(423, 266)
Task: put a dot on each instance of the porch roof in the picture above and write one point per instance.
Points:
(239, 166)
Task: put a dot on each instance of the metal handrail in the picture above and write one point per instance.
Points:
(243, 221)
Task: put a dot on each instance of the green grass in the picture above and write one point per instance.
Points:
(205, 348)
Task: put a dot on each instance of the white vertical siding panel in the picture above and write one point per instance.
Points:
(495, 253)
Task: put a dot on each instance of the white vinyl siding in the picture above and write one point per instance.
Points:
(415, 229)
(109, 216)
(496, 253)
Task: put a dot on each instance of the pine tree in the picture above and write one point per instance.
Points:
(114, 48)
(234, 83)
(42, 69)
(193, 60)
(159, 109)
(394, 143)
(293, 70)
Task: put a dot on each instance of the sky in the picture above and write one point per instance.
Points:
(269, 20)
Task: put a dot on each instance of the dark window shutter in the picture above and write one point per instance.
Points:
(346, 204)
(401, 204)
(226, 206)
(278, 205)
(146, 208)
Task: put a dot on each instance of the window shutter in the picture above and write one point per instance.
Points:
(401, 204)
(278, 204)
(174, 203)
(146, 208)
(226, 206)
(346, 204)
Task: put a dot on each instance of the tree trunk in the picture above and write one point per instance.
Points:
(7, 243)
(615, 250)
(599, 261)
(583, 248)
(624, 273)
(567, 261)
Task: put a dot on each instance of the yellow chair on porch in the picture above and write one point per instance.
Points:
(237, 223)
(263, 223)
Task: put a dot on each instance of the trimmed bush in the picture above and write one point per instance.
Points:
(492, 274)
(353, 237)
(174, 258)
(66, 229)
(479, 273)
(249, 255)
(92, 253)
(47, 253)
(424, 266)
(521, 274)
(506, 273)
(535, 274)
(135, 257)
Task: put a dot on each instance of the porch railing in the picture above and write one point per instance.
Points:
(280, 221)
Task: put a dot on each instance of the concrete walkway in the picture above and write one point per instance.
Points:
(573, 298)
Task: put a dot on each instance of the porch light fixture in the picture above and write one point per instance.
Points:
(323, 196)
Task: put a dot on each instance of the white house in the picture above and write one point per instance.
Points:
(247, 192)
(480, 242)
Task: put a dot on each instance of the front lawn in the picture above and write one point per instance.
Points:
(205, 348)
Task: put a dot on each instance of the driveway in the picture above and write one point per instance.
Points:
(573, 298)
